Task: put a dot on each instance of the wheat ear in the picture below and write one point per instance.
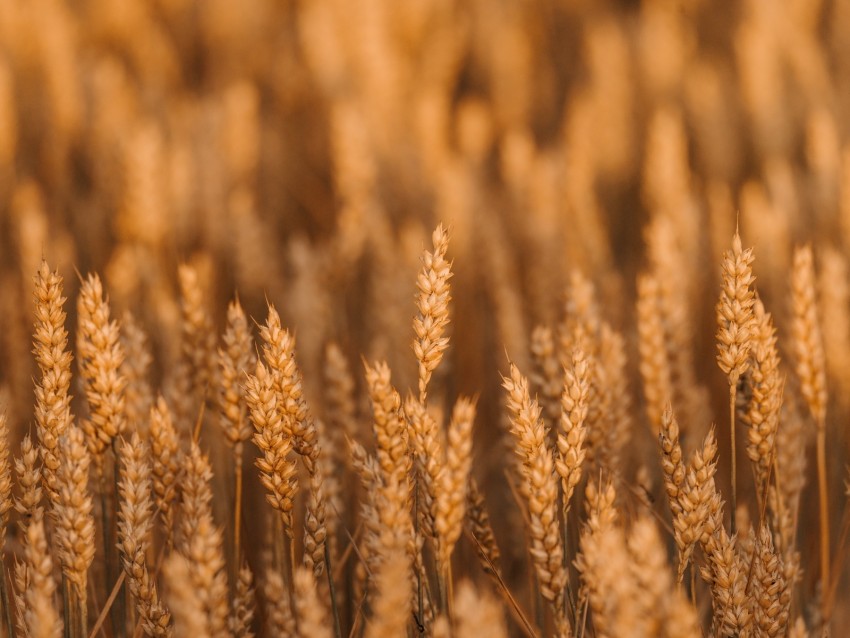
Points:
(40, 619)
(432, 303)
(734, 335)
(811, 371)
(73, 521)
(236, 358)
(244, 604)
(100, 356)
(165, 451)
(134, 525)
(50, 345)
(541, 489)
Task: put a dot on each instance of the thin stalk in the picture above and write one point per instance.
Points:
(733, 391)
(450, 594)
(421, 616)
(237, 507)
(66, 608)
(824, 512)
(121, 602)
(4, 592)
(84, 615)
(337, 628)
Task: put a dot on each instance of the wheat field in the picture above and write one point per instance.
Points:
(430, 318)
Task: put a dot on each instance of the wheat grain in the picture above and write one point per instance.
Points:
(432, 303)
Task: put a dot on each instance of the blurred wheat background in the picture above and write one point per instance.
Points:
(250, 390)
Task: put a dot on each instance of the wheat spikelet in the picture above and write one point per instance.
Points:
(806, 335)
(391, 605)
(50, 343)
(197, 349)
(762, 415)
(202, 543)
(280, 620)
(277, 471)
(726, 574)
(391, 434)
(477, 614)
(654, 365)
(770, 589)
(603, 563)
(695, 500)
(479, 526)
(540, 488)
(72, 512)
(311, 614)
(807, 342)
(244, 604)
(100, 356)
(138, 395)
(546, 377)
(315, 529)
(430, 464)
(616, 435)
(432, 303)
(660, 606)
(451, 495)
(235, 359)
(40, 618)
(184, 599)
(28, 504)
(134, 525)
(279, 354)
(340, 421)
(671, 460)
(165, 450)
(572, 430)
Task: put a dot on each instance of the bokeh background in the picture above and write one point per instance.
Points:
(302, 151)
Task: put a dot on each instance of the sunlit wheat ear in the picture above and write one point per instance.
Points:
(280, 619)
(277, 471)
(201, 542)
(451, 498)
(194, 378)
(392, 603)
(477, 613)
(39, 618)
(165, 453)
(134, 525)
(72, 517)
(244, 605)
(432, 303)
(572, 429)
(771, 590)
(734, 333)
(811, 372)
(50, 346)
(654, 363)
(296, 420)
(28, 473)
(311, 614)
(100, 356)
(547, 376)
(540, 488)
(184, 599)
(764, 408)
(138, 395)
(236, 358)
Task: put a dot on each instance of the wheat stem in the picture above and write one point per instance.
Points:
(824, 512)
(733, 391)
